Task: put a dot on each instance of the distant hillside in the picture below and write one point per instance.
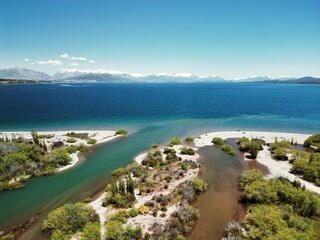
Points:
(102, 75)
(16, 81)
(18, 73)
(303, 80)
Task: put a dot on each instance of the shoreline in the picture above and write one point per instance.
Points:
(102, 136)
(277, 168)
(146, 221)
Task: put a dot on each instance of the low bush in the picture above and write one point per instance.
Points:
(187, 151)
(70, 218)
(189, 139)
(92, 141)
(119, 172)
(77, 135)
(217, 141)
(175, 141)
(71, 140)
(228, 149)
(121, 131)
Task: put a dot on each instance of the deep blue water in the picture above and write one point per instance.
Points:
(285, 107)
(153, 113)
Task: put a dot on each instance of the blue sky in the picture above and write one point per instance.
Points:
(226, 38)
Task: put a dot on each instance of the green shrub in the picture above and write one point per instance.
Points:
(59, 235)
(280, 191)
(71, 140)
(121, 131)
(133, 212)
(228, 149)
(280, 154)
(281, 144)
(77, 135)
(250, 176)
(71, 149)
(118, 216)
(70, 218)
(276, 222)
(83, 148)
(217, 141)
(189, 139)
(198, 185)
(307, 165)
(119, 172)
(184, 166)
(153, 158)
(114, 230)
(187, 151)
(313, 141)
(254, 149)
(175, 141)
(91, 231)
(87, 200)
(92, 141)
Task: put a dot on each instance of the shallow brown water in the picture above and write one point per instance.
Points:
(219, 205)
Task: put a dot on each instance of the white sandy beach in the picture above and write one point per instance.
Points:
(101, 136)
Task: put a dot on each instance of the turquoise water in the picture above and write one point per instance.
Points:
(152, 112)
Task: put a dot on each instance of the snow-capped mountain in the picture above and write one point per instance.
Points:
(116, 76)
(22, 73)
(102, 75)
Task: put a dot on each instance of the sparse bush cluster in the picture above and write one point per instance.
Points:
(153, 158)
(121, 193)
(91, 141)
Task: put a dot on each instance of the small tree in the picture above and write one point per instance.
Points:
(175, 141)
(35, 137)
(217, 141)
(254, 149)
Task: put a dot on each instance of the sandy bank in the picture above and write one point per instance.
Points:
(276, 168)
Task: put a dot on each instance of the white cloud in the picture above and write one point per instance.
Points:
(52, 62)
(92, 61)
(79, 58)
(74, 64)
(65, 55)
(26, 59)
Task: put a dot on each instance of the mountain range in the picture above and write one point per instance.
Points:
(76, 75)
